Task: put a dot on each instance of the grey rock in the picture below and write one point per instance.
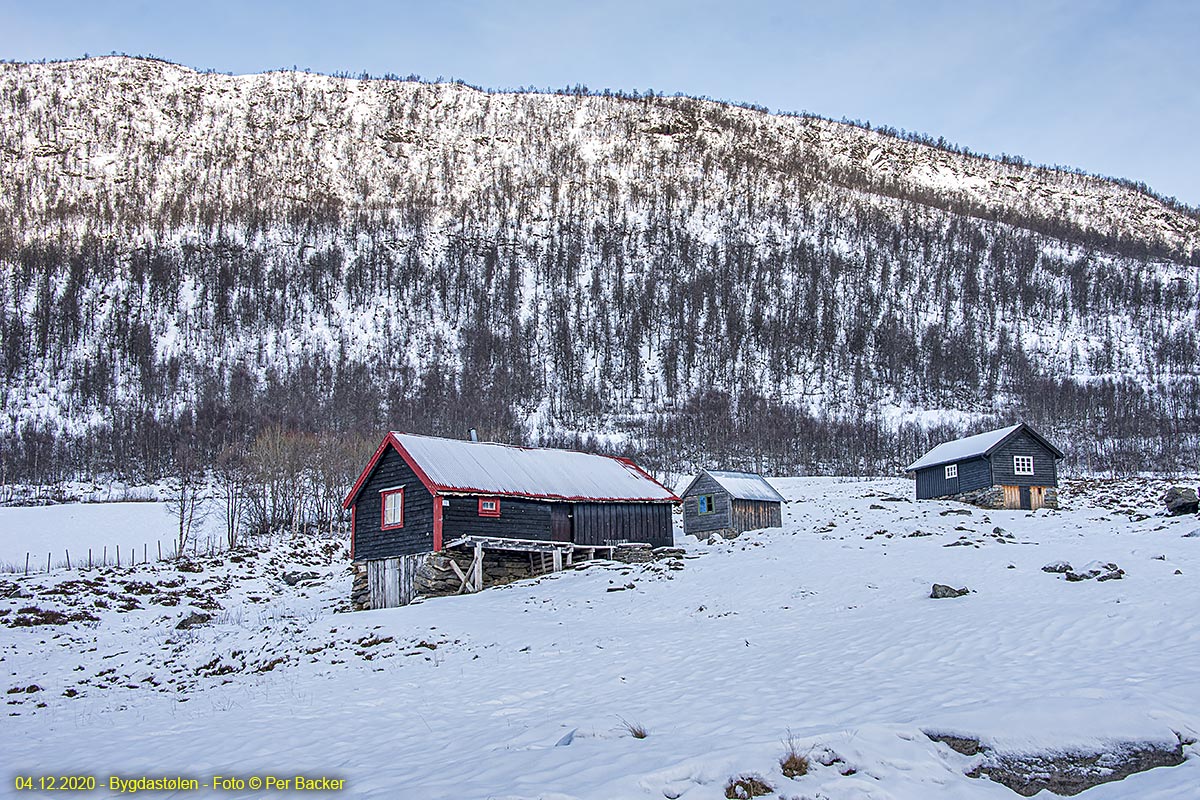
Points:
(959, 744)
(1101, 571)
(293, 578)
(193, 620)
(1060, 567)
(941, 590)
(1069, 773)
(1181, 500)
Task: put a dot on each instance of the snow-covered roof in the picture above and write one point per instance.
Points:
(456, 465)
(968, 447)
(745, 485)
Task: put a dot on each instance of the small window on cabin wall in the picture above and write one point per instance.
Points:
(1023, 465)
(951, 471)
(393, 509)
(489, 507)
(706, 504)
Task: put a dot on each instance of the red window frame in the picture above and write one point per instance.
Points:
(494, 512)
(383, 498)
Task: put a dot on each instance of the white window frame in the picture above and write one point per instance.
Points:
(951, 471)
(1022, 465)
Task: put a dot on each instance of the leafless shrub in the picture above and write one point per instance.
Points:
(634, 729)
(793, 763)
(744, 787)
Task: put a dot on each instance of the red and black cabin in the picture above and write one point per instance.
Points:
(419, 493)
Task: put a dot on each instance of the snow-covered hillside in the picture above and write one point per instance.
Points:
(822, 633)
(218, 253)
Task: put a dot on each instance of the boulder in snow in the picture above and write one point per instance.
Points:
(941, 590)
(292, 578)
(1181, 500)
(1100, 570)
(192, 620)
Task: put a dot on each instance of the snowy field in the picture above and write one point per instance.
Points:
(822, 632)
(74, 528)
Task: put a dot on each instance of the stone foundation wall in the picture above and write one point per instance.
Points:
(1051, 498)
(437, 578)
(989, 497)
(993, 497)
(360, 595)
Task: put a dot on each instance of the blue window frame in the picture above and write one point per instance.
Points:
(706, 504)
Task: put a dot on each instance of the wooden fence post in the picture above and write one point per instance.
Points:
(478, 565)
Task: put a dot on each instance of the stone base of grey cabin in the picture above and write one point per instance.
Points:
(435, 577)
(993, 497)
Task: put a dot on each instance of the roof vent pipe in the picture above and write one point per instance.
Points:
(474, 435)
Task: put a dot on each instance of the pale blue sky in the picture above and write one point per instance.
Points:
(1108, 86)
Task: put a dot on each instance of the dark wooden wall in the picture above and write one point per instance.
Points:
(605, 523)
(1045, 469)
(696, 523)
(417, 534)
(974, 473)
(749, 515)
(519, 519)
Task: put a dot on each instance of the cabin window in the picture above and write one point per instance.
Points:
(706, 504)
(1023, 465)
(393, 509)
(951, 471)
(489, 507)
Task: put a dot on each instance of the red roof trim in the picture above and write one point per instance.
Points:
(563, 497)
(435, 489)
(629, 463)
(390, 439)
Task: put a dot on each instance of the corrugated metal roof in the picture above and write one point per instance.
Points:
(745, 485)
(501, 469)
(959, 449)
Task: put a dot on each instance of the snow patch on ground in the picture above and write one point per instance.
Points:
(821, 633)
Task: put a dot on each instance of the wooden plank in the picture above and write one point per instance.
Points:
(462, 578)
(1012, 496)
(373, 598)
(558, 561)
(477, 565)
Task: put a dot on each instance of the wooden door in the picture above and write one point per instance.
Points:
(1037, 497)
(1012, 496)
(391, 582)
(560, 522)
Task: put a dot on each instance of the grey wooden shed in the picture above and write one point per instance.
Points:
(728, 503)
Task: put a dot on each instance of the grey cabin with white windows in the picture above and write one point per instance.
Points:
(729, 503)
(1013, 467)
